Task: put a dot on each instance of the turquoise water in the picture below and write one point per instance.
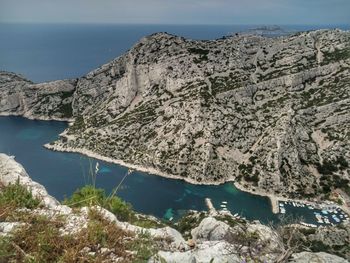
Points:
(62, 173)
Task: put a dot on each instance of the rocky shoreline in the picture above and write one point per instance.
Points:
(273, 198)
(212, 240)
(140, 168)
(37, 118)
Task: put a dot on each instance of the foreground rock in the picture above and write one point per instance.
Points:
(213, 240)
(307, 257)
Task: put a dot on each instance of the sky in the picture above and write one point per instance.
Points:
(281, 12)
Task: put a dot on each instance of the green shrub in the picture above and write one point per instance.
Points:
(18, 196)
(342, 162)
(89, 196)
(188, 222)
(143, 246)
(199, 51)
(327, 167)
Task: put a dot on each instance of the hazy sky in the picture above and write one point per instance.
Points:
(177, 11)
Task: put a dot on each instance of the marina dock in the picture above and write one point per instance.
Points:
(274, 204)
(210, 206)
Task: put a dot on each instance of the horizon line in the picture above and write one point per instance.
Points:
(169, 24)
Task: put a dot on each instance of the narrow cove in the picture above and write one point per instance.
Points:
(62, 173)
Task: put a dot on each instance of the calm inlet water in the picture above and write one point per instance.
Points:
(63, 173)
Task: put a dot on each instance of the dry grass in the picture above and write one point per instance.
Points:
(40, 240)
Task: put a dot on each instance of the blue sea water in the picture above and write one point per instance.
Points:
(49, 52)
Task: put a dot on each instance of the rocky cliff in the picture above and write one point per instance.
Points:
(47, 101)
(272, 113)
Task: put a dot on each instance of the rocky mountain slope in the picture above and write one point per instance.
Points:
(272, 113)
(52, 232)
(48, 101)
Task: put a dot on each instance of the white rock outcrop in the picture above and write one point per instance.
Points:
(321, 257)
(11, 172)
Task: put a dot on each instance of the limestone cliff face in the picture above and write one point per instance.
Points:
(270, 112)
(51, 100)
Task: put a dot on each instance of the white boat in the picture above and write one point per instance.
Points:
(222, 205)
(224, 202)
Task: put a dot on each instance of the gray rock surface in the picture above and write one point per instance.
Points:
(210, 229)
(206, 252)
(321, 257)
(46, 101)
(11, 172)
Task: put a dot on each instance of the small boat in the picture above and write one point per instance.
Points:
(224, 202)
(320, 221)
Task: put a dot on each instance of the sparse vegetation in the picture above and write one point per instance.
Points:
(17, 196)
(188, 222)
(90, 196)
